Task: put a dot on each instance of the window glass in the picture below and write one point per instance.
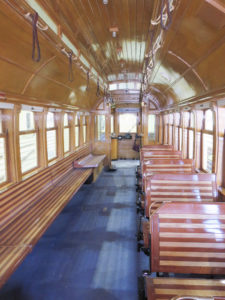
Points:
(28, 151)
(113, 87)
(50, 120)
(208, 119)
(192, 120)
(1, 129)
(77, 131)
(28, 141)
(180, 138)
(51, 136)
(128, 123)
(122, 86)
(100, 127)
(26, 120)
(176, 137)
(84, 130)
(66, 139)
(207, 152)
(112, 124)
(84, 134)
(51, 144)
(191, 144)
(3, 174)
(66, 120)
(151, 127)
(76, 136)
(76, 120)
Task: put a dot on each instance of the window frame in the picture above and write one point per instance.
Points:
(191, 129)
(84, 127)
(76, 126)
(66, 127)
(213, 134)
(25, 132)
(4, 135)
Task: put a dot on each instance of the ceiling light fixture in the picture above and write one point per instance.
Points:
(105, 2)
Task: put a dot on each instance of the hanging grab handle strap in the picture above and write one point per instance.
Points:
(35, 39)
(70, 73)
(169, 14)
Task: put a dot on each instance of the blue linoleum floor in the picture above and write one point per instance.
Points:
(89, 252)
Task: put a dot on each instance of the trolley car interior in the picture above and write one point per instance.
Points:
(112, 149)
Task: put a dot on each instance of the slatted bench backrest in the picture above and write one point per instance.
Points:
(188, 238)
(158, 147)
(154, 166)
(24, 194)
(168, 288)
(180, 187)
(156, 154)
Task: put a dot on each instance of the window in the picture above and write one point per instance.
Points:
(85, 130)
(128, 123)
(207, 141)
(186, 121)
(151, 127)
(3, 169)
(100, 119)
(180, 137)
(166, 120)
(191, 139)
(112, 124)
(77, 131)
(27, 141)
(170, 129)
(66, 133)
(51, 133)
(176, 130)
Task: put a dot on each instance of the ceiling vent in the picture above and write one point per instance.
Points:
(213, 13)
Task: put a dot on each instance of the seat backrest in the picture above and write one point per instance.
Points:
(179, 187)
(22, 195)
(158, 147)
(146, 154)
(155, 166)
(188, 238)
(183, 288)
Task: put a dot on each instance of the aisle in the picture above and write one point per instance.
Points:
(89, 252)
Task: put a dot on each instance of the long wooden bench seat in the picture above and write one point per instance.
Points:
(172, 288)
(188, 238)
(96, 162)
(28, 208)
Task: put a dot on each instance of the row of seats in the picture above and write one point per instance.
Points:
(181, 227)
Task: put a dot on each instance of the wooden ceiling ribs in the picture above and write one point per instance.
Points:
(189, 64)
(168, 40)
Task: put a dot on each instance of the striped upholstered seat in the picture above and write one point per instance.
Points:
(188, 238)
(173, 288)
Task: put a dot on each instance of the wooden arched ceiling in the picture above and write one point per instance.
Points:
(90, 22)
(190, 63)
